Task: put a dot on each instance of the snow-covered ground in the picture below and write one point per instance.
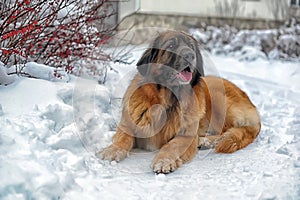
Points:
(50, 131)
(280, 43)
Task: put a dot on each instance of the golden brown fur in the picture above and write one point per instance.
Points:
(209, 111)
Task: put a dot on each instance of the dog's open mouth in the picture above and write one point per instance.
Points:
(185, 75)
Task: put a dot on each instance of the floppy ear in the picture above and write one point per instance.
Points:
(199, 62)
(199, 68)
(149, 56)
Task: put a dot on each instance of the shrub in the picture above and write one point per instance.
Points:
(59, 33)
(282, 43)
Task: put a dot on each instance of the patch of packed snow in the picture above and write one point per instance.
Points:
(6, 79)
(39, 70)
(50, 131)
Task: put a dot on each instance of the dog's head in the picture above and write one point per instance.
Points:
(173, 59)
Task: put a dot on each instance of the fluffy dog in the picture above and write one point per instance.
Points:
(171, 107)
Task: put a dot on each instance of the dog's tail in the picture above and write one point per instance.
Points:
(237, 138)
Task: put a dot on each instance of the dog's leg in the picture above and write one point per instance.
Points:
(230, 141)
(119, 150)
(236, 138)
(209, 141)
(172, 155)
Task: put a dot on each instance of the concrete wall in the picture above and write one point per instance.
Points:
(260, 10)
(183, 22)
(253, 9)
(143, 27)
(151, 16)
(128, 7)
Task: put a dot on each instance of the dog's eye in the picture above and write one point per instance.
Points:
(171, 44)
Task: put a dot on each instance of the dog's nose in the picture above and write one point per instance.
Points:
(189, 56)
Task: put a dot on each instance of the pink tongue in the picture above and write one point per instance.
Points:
(185, 76)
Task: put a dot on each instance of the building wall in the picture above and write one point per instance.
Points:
(144, 18)
(128, 7)
(254, 9)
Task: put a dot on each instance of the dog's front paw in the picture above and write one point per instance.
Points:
(205, 143)
(113, 153)
(165, 165)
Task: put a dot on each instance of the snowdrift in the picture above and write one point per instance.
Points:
(50, 131)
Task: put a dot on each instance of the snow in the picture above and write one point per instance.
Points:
(6, 79)
(50, 131)
(280, 44)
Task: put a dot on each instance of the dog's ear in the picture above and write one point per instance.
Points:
(199, 68)
(199, 62)
(149, 56)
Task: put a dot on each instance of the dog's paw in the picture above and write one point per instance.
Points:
(205, 143)
(113, 153)
(165, 165)
(228, 144)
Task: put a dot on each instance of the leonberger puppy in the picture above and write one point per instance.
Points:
(170, 106)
